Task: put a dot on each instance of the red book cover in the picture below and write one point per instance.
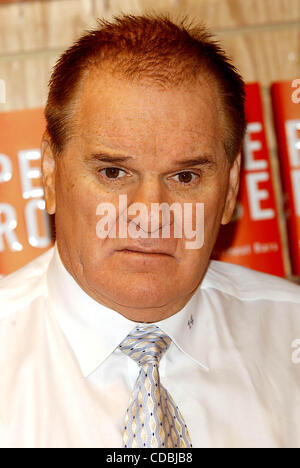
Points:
(252, 238)
(24, 224)
(286, 110)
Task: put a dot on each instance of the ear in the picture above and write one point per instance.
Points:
(233, 188)
(48, 173)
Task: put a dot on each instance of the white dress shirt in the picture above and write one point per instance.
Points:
(230, 367)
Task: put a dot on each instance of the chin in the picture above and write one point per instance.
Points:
(144, 293)
(144, 299)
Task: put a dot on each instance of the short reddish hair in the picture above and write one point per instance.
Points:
(148, 47)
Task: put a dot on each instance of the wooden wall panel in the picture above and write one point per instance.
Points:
(263, 51)
(40, 25)
(26, 79)
(260, 56)
(115, 7)
(56, 23)
(218, 14)
(266, 56)
(225, 14)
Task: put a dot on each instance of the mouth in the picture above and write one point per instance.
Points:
(144, 252)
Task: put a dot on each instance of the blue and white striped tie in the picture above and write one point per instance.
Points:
(152, 418)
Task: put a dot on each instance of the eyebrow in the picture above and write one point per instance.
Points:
(110, 159)
(201, 160)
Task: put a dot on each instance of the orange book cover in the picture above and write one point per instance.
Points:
(24, 225)
(252, 238)
(286, 110)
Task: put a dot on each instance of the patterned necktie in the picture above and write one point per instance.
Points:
(152, 418)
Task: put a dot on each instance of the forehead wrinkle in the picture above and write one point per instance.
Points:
(108, 152)
(132, 141)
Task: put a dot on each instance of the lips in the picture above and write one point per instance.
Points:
(146, 248)
(143, 251)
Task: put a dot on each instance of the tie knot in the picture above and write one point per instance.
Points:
(146, 344)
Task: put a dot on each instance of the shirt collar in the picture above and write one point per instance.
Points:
(94, 331)
(188, 329)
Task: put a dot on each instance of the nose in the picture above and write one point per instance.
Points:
(145, 202)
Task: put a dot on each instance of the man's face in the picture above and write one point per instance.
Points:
(139, 141)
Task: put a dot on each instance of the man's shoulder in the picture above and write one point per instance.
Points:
(21, 287)
(250, 285)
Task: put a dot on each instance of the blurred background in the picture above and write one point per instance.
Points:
(263, 39)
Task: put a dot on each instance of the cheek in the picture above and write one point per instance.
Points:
(213, 211)
(192, 261)
(207, 226)
(77, 219)
(77, 200)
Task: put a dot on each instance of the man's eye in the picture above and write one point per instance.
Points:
(112, 172)
(186, 177)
